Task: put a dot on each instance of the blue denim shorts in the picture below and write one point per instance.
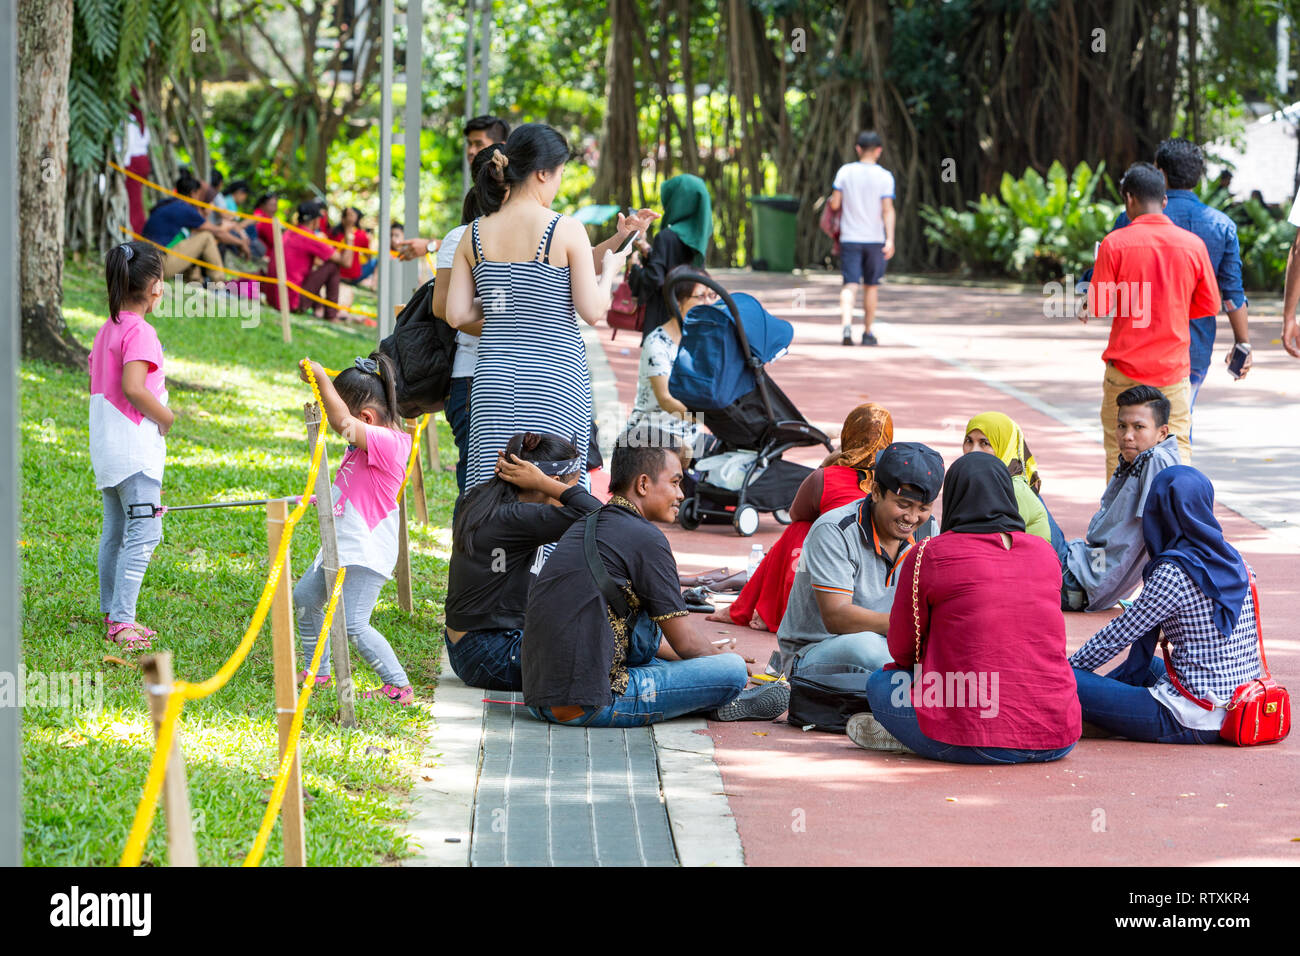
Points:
(862, 263)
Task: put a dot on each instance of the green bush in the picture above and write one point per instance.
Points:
(1036, 229)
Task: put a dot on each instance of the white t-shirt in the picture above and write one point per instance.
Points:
(1294, 218)
(462, 366)
(365, 500)
(862, 186)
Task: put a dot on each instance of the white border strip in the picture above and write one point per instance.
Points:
(704, 829)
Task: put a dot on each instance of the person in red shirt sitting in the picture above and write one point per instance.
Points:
(1152, 277)
(978, 615)
(300, 252)
(349, 231)
(268, 205)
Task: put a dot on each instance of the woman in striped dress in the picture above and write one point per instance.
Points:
(516, 284)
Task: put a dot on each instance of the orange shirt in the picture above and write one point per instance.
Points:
(1154, 277)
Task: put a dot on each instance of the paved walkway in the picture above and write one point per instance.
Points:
(946, 353)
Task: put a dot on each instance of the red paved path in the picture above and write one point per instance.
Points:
(815, 799)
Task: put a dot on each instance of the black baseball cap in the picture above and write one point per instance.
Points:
(910, 463)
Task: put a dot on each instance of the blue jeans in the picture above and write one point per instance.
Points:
(126, 545)
(886, 687)
(1058, 536)
(457, 412)
(1132, 712)
(662, 690)
(488, 659)
(361, 587)
(1202, 351)
(858, 653)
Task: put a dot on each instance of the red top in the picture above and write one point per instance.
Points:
(359, 238)
(840, 485)
(994, 669)
(299, 253)
(1155, 276)
(266, 233)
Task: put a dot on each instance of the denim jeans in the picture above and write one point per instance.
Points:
(1058, 536)
(1132, 712)
(457, 412)
(885, 687)
(662, 690)
(361, 587)
(488, 659)
(126, 545)
(1202, 351)
(858, 653)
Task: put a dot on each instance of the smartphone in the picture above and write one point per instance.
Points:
(627, 243)
(1238, 359)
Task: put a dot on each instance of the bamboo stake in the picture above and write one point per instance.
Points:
(283, 296)
(417, 481)
(282, 646)
(403, 570)
(157, 670)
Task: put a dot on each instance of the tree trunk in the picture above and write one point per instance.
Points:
(690, 149)
(44, 56)
(620, 155)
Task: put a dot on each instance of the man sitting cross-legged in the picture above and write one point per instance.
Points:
(608, 641)
(1098, 570)
(844, 585)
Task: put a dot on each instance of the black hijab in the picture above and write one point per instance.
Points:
(978, 497)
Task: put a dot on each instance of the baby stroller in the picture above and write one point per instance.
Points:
(719, 374)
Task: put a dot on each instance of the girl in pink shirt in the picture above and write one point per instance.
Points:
(128, 419)
(361, 405)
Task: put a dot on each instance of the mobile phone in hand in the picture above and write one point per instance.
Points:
(1237, 360)
(627, 243)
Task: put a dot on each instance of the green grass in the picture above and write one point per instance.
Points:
(239, 433)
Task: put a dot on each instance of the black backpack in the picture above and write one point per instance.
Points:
(827, 701)
(422, 347)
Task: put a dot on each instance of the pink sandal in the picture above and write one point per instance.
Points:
(146, 631)
(405, 696)
(138, 641)
(319, 680)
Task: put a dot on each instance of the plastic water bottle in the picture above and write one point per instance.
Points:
(755, 557)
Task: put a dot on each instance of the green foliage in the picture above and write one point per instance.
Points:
(1037, 229)
(239, 433)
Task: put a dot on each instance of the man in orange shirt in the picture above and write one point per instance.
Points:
(1151, 277)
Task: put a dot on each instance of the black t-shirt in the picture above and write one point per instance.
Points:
(574, 650)
(667, 252)
(490, 588)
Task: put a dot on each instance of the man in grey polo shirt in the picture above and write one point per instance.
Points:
(843, 588)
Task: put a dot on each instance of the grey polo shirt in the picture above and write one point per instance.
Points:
(841, 554)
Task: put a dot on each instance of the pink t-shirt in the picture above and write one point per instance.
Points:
(995, 672)
(299, 253)
(122, 441)
(365, 500)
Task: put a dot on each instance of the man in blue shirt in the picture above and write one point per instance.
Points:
(1183, 164)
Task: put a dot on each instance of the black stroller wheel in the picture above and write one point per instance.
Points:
(687, 515)
(782, 516)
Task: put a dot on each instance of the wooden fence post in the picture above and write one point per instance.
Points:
(417, 479)
(283, 297)
(431, 442)
(403, 570)
(157, 670)
(286, 696)
(342, 663)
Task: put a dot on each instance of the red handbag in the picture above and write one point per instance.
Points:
(624, 310)
(1260, 710)
(830, 224)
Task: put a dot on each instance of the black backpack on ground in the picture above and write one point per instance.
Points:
(422, 348)
(827, 701)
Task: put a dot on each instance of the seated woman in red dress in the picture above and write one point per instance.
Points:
(844, 476)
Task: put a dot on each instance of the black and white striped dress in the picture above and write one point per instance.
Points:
(532, 365)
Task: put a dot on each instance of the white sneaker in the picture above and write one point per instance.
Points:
(865, 731)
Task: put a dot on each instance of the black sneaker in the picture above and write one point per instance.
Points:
(757, 703)
(848, 336)
(868, 339)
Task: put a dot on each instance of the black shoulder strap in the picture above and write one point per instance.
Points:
(613, 596)
(550, 234)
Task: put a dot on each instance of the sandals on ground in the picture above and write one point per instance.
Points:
(135, 640)
(320, 678)
(405, 696)
(146, 631)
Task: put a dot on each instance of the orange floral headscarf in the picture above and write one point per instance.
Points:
(868, 429)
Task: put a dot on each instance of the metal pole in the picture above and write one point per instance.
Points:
(469, 86)
(414, 121)
(384, 270)
(11, 793)
(485, 56)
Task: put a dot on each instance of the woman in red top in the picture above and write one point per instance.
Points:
(844, 476)
(993, 684)
(349, 231)
(300, 253)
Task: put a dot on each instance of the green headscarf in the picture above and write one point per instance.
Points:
(688, 211)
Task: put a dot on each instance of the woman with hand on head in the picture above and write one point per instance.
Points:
(516, 284)
(498, 541)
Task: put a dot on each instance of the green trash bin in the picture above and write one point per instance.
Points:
(776, 223)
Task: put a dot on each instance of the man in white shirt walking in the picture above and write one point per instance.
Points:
(864, 196)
